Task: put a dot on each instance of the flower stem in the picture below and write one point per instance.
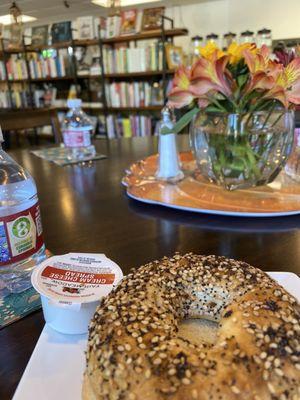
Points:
(269, 115)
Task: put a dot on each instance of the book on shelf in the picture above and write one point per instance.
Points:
(40, 35)
(100, 27)
(4, 99)
(139, 20)
(128, 22)
(126, 127)
(86, 28)
(128, 60)
(113, 25)
(2, 71)
(152, 19)
(61, 32)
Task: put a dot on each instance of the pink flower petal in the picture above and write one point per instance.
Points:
(179, 98)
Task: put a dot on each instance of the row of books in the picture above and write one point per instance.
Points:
(55, 66)
(135, 125)
(19, 99)
(133, 21)
(139, 59)
(16, 67)
(13, 34)
(88, 27)
(58, 63)
(136, 94)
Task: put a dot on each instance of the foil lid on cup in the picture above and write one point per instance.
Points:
(76, 278)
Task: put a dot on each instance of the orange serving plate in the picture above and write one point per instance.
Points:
(194, 193)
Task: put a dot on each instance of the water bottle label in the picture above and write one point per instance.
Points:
(20, 235)
(77, 138)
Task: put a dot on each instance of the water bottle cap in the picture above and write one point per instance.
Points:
(74, 103)
(1, 136)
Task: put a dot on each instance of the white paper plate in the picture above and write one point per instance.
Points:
(55, 369)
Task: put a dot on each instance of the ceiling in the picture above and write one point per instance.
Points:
(54, 10)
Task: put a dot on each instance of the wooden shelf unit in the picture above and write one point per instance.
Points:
(169, 33)
(162, 34)
(130, 75)
(127, 75)
(118, 109)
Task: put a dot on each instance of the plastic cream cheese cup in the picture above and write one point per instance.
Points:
(71, 287)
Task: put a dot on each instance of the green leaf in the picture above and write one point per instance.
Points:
(182, 123)
(242, 79)
(212, 109)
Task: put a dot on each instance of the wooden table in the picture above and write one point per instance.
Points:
(85, 209)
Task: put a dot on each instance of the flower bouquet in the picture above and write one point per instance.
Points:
(240, 103)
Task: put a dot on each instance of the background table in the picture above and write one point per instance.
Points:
(85, 209)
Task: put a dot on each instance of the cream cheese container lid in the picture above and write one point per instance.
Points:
(76, 278)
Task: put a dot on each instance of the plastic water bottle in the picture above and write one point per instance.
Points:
(21, 240)
(77, 129)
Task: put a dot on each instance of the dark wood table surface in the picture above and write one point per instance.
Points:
(85, 209)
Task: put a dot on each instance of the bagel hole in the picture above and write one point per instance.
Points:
(198, 331)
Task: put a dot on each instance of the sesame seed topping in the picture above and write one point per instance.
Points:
(146, 310)
(235, 389)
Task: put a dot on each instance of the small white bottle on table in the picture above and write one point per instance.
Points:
(168, 160)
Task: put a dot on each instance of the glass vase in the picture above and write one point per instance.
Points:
(293, 166)
(242, 150)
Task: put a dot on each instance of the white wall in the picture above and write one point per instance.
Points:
(220, 16)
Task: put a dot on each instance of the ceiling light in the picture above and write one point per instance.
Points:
(124, 3)
(8, 20)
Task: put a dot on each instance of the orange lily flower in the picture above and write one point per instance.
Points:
(287, 84)
(181, 95)
(258, 61)
(207, 75)
(263, 71)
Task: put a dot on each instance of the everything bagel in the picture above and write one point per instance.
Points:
(249, 330)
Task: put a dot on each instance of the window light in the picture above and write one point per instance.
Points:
(8, 20)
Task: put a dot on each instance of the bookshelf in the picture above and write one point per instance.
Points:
(127, 75)
(105, 78)
(169, 33)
